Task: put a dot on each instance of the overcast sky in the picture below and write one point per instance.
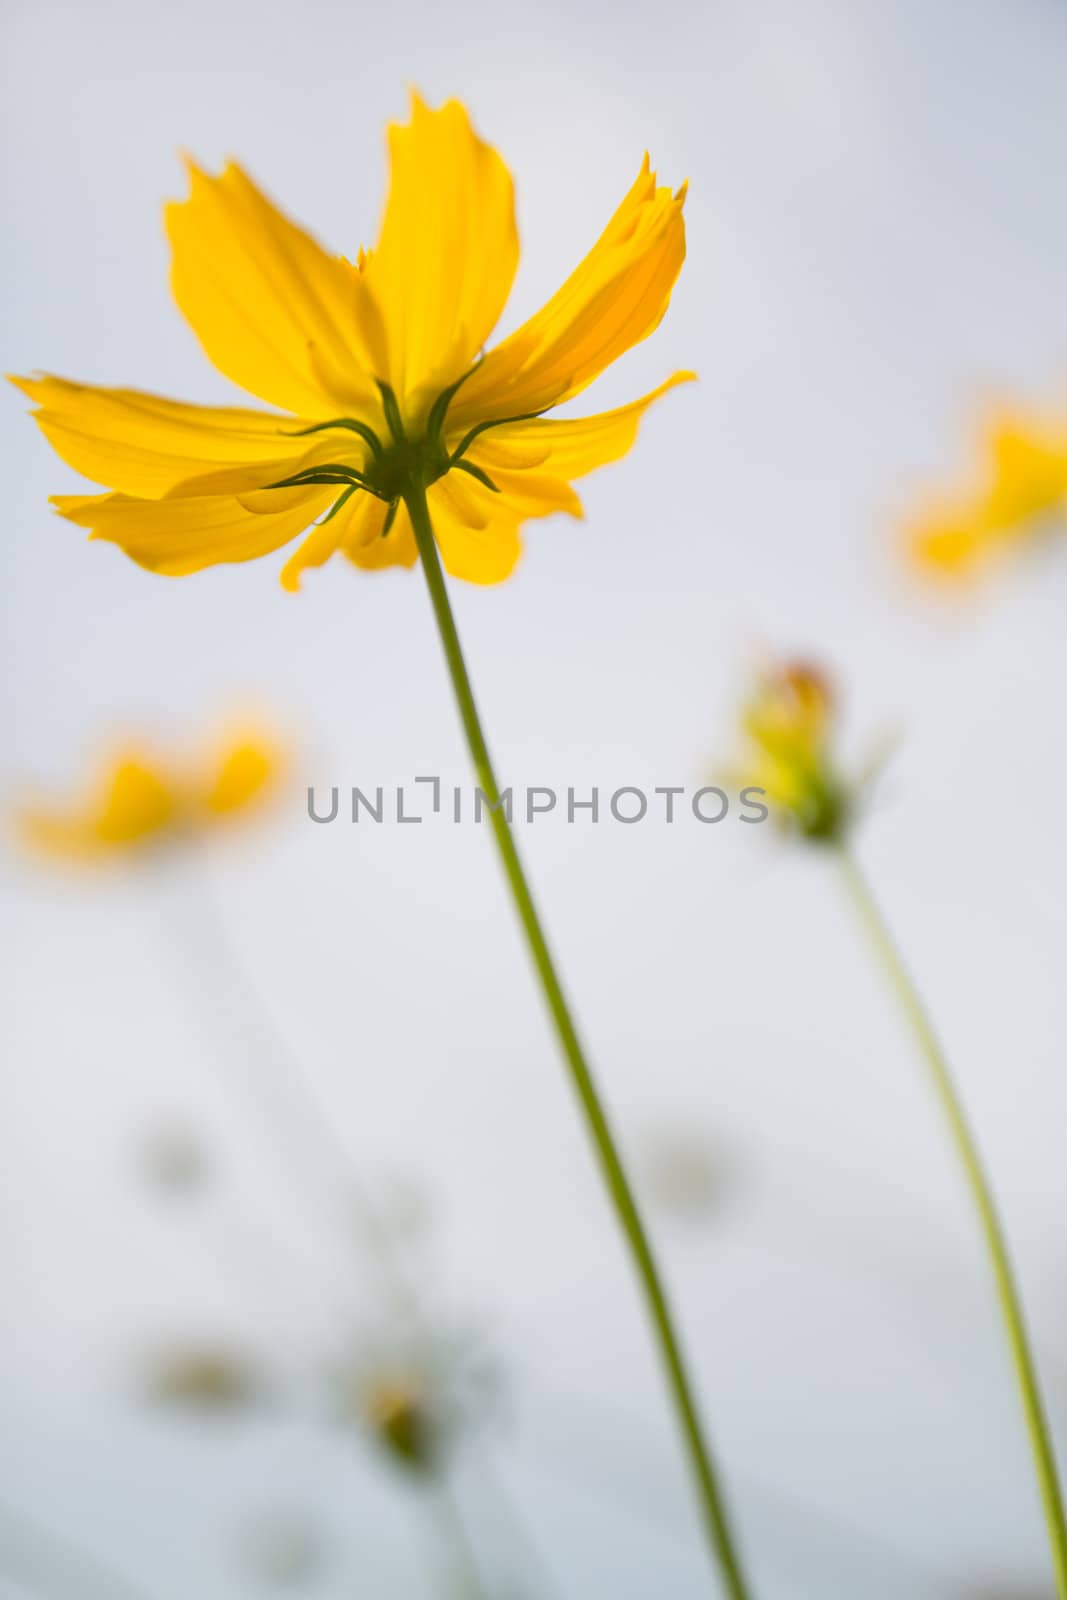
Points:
(878, 243)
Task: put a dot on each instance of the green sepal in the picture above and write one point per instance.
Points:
(367, 434)
(329, 472)
(483, 427)
(439, 410)
(476, 472)
(392, 413)
(338, 503)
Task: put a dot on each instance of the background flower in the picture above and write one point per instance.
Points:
(144, 801)
(1019, 496)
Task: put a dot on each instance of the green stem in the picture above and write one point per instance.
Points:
(293, 1119)
(715, 1518)
(37, 1561)
(463, 1561)
(1007, 1293)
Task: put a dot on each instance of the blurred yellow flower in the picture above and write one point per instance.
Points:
(1021, 493)
(203, 1377)
(401, 1418)
(140, 801)
(787, 727)
(377, 364)
(417, 1383)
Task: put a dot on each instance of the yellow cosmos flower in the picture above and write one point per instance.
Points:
(788, 726)
(377, 365)
(1022, 492)
(141, 802)
(407, 444)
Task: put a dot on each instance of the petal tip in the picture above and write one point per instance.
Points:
(25, 385)
(191, 167)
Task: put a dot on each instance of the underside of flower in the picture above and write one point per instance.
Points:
(389, 469)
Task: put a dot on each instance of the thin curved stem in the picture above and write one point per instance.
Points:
(1011, 1309)
(715, 1519)
(466, 1572)
(34, 1558)
(296, 1124)
(273, 1078)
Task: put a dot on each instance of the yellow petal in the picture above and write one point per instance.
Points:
(142, 444)
(135, 804)
(271, 308)
(446, 256)
(459, 496)
(1028, 470)
(258, 486)
(359, 521)
(951, 542)
(790, 714)
(477, 532)
(530, 493)
(186, 533)
(1023, 485)
(266, 502)
(251, 765)
(365, 543)
(321, 543)
(567, 448)
(614, 299)
(783, 786)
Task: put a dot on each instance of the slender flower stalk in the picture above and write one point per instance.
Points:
(789, 724)
(297, 1125)
(468, 1582)
(149, 811)
(318, 1156)
(292, 1118)
(36, 1561)
(888, 955)
(716, 1520)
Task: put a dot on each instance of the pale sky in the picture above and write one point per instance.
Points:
(878, 244)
